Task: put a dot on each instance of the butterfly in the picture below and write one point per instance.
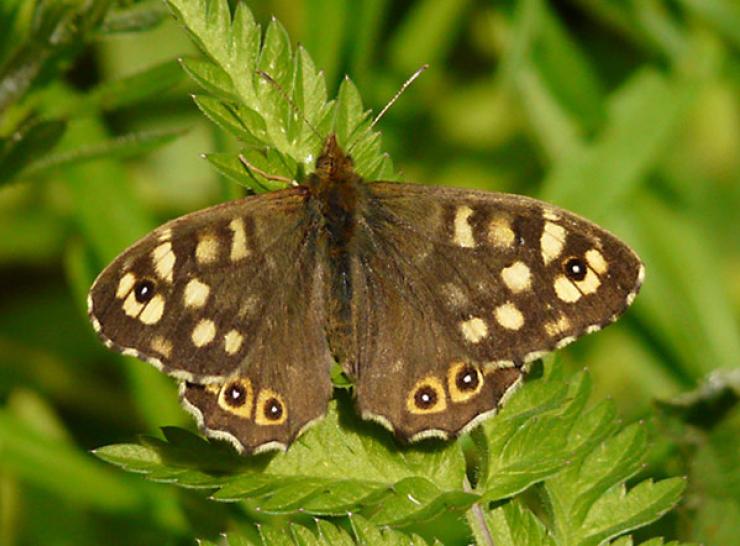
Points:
(431, 299)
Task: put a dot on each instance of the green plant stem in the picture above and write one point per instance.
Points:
(477, 520)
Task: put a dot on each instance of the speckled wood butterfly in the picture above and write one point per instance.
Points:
(431, 299)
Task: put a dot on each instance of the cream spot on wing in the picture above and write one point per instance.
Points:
(463, 235)
(509, 316)
(96, 324)
(206, 251)
(213, 388)
(558, 326)
(590, 283)
(552, 241)
(248, 306)
(239, 248)
(596, 261)
(549, 214)
(566, 290)
(593, 328)
(164, 261)
(132, 307)
(490, 367)
(474, 329)
(165, 235)
(203, 333)
(196, 293)
(232, 342)
(455, 295)
(517, 277)
(125, 285)
(500, 233)
(153, 310)
(162, 345)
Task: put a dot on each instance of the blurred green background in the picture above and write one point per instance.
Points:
(627, 112)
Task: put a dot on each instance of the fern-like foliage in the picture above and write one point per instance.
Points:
(273, 100)
(357, 531)
(546, 438)
(344, 466)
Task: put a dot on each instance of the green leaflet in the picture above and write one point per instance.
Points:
(344, 465)
(269, 96)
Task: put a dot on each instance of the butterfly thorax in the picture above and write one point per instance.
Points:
(336, 186)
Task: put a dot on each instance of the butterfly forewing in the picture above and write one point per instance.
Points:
(456, 289)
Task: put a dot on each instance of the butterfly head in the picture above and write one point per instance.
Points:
(334, 163)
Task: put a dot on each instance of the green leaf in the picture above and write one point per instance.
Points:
(230, 166)
(514, 525)
(643, 116)
(620, 510)
(699, 328)
(326, 534)
(326, 27)
(137, 17)
(427, 33)
(331, 470)
(210, 77)
(658, 541)
(224, 116)
(540, 432)
(723, 15)
(366, 533)
(59, 31)
(59, 468)
(589, 502)
(120, 147)
(701, 432)
(281, 97)
(143, 85)
(274, 60)
(32, 142)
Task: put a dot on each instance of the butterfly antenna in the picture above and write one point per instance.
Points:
(283, 93)
(405, 85)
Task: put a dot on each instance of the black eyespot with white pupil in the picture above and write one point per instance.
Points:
(273, 409)
(575, 269)
(235, 395)
(144, 290)
(467, 379)
(425, 397)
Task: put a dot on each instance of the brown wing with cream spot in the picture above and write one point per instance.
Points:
(454, 290)
(229, 300)
(284, 384)
(194, 296)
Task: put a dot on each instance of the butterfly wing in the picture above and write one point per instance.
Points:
(454, 290)
(211, 299)
(284, 384)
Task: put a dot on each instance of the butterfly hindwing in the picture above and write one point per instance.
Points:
(455, 290)
(228, 300)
